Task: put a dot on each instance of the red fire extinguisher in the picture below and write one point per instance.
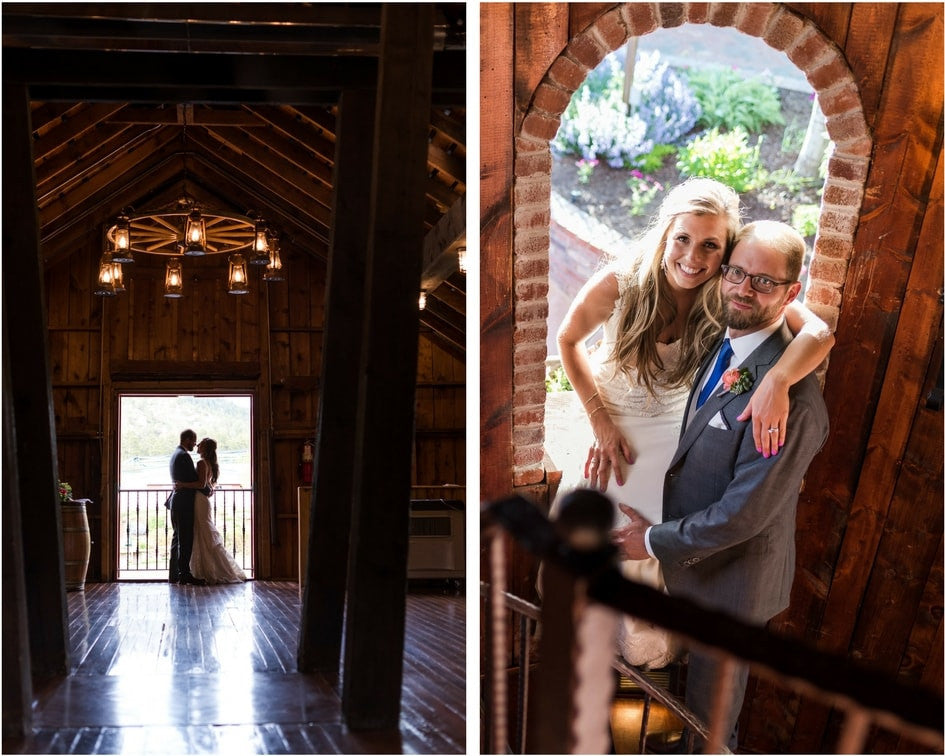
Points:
(308, 462)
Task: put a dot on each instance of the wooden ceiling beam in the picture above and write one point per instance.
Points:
(304, 203)
(186, 115)
(80, 120)
(440, 319)
(439, 246)
(297, 128)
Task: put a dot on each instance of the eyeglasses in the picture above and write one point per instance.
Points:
(761, 284)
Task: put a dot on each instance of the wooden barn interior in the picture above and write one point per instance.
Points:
(343, 127)
(868, 585)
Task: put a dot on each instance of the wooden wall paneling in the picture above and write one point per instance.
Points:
(868, 49)
(320, 636)
(263, 437)
(374, 620)
(30, 386)
(497, 38)
(541, 32)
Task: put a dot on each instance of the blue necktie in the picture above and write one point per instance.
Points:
(721, 363)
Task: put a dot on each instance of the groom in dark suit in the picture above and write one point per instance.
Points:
(727, 537)
(182, 510)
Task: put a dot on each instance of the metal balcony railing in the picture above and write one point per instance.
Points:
(546, 718)
(145, 532)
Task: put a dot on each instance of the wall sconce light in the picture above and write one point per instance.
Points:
(423, 299)
(173, 280)
(237, 281)
(461, 259)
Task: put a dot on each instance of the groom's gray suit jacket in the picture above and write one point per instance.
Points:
(727, 537)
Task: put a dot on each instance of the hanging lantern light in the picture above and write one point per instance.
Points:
(274, 268)
(195, 235)
(118, 281)
(461, 258)
(423, 299)
(173, 280)
(260, 245)
(105, 285)
(237, 281)
(121, 239)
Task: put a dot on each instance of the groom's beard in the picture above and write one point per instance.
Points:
(757, 317)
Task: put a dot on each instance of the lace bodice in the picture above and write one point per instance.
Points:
(620, 392)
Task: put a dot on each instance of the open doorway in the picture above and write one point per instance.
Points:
(149, 427)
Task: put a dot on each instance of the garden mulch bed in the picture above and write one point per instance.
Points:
(605, 196)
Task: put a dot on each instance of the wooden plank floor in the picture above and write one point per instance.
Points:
(161, 669)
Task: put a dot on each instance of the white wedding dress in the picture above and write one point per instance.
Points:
(210, 560)
(651, 423)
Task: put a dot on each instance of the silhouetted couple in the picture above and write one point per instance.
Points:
(198, 556)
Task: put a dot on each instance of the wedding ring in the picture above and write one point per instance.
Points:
(772, 430)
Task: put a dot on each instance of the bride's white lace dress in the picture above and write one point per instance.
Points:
(210, 560)
(651, 422)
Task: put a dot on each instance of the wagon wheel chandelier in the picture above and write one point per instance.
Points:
(186, 230)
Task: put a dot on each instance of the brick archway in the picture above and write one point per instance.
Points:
(828, 74)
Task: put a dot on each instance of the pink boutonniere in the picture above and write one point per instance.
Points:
(737, 380)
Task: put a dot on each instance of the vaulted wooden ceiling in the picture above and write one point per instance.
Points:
(235, 104)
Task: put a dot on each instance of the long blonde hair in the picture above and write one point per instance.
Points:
(649, 305)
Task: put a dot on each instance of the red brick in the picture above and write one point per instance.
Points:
(540, 126)
(832, 70)
(697, 13)
(586, 49)
(533, 333)
(640, 18)
(784, 30)
(528, 476)
(530, 218)
(755, 18)
(809, 48)
(530, 415)
(531, 267)
(830, 271)
(849, 167)
(532, 289)
(528, 436)
(551, 99)
(531, 191)
(843, 195)
(612, 30)
(723, 14)
(527, 397)
(567, 74)
(528, 163)
(849, 131)
(824, 296)
(671, 14)
(838, 221)
(840, 99)
(833, 247)
(536, 244)
(529, 311)
(529, 455)
(534, 353)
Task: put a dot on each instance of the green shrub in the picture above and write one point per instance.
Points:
(805, 219)
(557, 380)
(724, 157)
(729, 100)
(652, 161)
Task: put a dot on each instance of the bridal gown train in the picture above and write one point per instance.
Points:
(651, 423)
(210, 560)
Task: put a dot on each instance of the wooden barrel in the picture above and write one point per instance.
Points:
(76, 544)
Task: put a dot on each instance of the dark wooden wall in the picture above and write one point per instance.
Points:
(869, 580)
(268, 341)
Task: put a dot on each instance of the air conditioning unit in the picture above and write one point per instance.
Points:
(437, 546)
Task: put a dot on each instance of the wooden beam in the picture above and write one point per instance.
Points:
(29, 385)
(374, 622)
(440, 246)
(326, 573)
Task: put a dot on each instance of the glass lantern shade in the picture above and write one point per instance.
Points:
(105, 285)
(118, 281)
(173, 280)
(195, 235)
(260, 245)
(274, 268)
(237, 281)
(121, 235)
(461, 259)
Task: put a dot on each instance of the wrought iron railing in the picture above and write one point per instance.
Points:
(518, 720)
(145, 532)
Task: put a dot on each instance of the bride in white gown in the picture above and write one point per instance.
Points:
(659, 318)
(209, 561)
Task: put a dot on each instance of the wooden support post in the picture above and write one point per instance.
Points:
(29, 385)
(377, 572)
(333, 481)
